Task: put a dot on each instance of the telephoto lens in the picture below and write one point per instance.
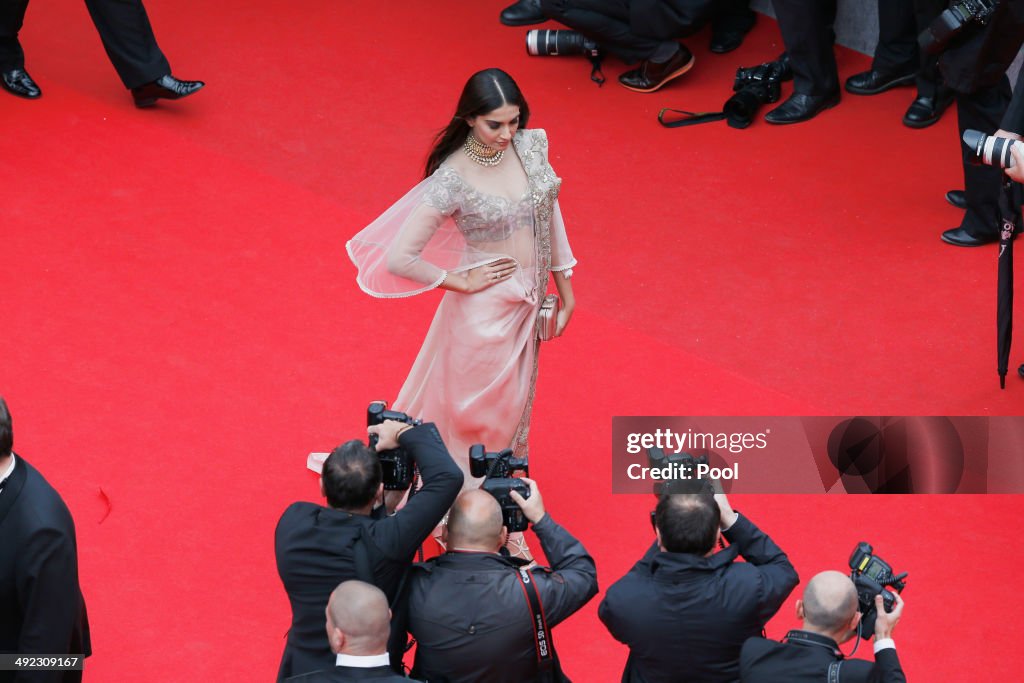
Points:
(990, 150)
(556, 43)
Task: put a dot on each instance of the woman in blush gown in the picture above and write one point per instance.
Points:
(484, 225)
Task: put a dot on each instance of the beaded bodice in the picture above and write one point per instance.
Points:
(483, 217)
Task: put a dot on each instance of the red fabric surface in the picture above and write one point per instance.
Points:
(181, 325)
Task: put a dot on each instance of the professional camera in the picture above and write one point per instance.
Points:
(556, 43)
(953, 21)
(497, 470)
(990, 150)
(871, 574)
(397, 465)
(684, 466)
(754, 86)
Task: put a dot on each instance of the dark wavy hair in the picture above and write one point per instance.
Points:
(485, 91)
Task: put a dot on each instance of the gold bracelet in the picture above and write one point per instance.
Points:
(401, 431)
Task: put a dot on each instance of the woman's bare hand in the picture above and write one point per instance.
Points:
(489, 274)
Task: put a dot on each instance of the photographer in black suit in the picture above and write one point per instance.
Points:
(468, 608)
(645, 31)
(127, 38)
(830, 617)
(42, 611)
(318, 547)
(684, 609)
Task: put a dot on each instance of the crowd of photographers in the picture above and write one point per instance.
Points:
(688, 610)
(953, 51)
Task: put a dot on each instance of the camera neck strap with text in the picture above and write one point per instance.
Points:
(546, 660)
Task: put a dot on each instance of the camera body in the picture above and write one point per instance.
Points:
(953, 21)
(498, 470)
(871, 576)
(397, 466)
(684, 463)
(754, 86)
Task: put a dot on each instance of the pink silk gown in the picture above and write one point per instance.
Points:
(477, 369)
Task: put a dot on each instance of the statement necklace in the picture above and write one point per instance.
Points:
(481, 153)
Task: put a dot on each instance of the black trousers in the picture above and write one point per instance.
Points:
(123, 27)
(808, 32)
(982, 110)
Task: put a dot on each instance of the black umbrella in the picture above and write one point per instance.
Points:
(1009, 206)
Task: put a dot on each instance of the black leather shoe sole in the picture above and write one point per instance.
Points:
(882, 87)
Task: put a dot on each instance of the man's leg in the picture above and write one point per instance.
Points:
(13, 77)
(12, 16)
(809, 37)
(730, 23)
(128, 39)
(933, 97)
(981, 110)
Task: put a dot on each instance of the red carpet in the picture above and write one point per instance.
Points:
(181, 325)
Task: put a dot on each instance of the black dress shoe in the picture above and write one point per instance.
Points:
(959, 237)
(19, 83)
(651, 75)
(924, 111)
(873, 82)
(166, 87)
(522, 13)
(800, 107)
(957, 198)
(728, 38)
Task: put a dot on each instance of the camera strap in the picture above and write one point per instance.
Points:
(833, 671)
(690, 118)
(546, 661)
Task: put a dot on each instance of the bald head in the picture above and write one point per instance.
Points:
(830, 602)
(474, 522)
(358, 619)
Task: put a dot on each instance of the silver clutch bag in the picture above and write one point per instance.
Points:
(547, 318)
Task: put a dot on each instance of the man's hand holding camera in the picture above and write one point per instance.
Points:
(729, 516)
(387, 434)
(533, 507)
(885, 623)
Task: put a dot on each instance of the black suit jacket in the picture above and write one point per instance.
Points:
(343, 674)
(316, 548)
(685, 617)
(41, 606)
(767, 661)
(470, 618)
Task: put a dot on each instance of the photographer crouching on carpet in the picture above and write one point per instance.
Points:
(352, 537)
(644, 31)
